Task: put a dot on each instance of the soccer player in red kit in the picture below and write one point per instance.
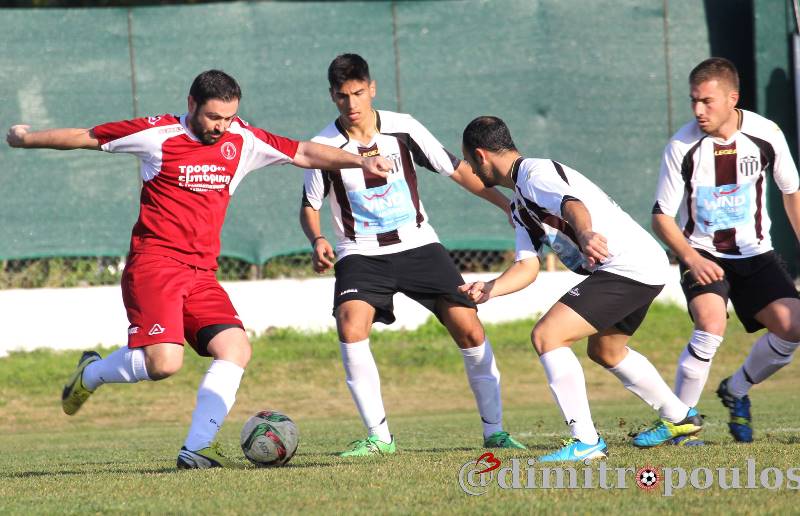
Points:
(190, 166)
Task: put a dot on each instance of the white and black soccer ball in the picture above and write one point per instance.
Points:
(269, 439)
(648, 477)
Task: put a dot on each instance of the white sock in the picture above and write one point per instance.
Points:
(124, 365)
(484, 379)
(769, 354)
(694, 366)
(639, 376)
(215, 397)
(568, 385)
(364, 383)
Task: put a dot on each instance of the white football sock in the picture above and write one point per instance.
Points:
(769, 354)
(484, 379)
(639, 376)
(694, 366)
(364, 383)
(568, 385)
(215, 397)
(124, 365)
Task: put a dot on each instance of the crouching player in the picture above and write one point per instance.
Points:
(556, 206)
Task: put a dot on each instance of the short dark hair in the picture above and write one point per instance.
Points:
(347, 67)
(715, 68)
(487, 132)
(214, 84)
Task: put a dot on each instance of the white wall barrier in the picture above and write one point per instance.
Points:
(75, 318)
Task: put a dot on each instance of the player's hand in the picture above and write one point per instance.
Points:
(377, 165)
(594, 246)
(478, 291)
(16, 135)
(322, 256)
(703, 270)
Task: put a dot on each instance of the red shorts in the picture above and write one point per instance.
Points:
(169, 301)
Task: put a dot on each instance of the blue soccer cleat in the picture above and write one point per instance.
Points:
(741, 421)
(574, 450)
(663, 431)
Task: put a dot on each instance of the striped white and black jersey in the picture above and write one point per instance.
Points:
(374, 215)
(718, 187)
(542, 186)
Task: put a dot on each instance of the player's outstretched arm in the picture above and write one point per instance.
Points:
(19, 136)
(704, 271)
(467, 179)
(515, 278)
(316, 155)
(321, 251)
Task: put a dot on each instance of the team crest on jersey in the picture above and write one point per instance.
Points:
(748, 165)
(153, 120)
(228, 150)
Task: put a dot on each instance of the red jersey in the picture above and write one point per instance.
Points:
(186, 184)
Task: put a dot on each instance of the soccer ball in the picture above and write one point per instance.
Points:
(269, 439)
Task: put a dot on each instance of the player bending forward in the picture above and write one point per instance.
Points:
(190, 166)
(556, 206)
(385, 245)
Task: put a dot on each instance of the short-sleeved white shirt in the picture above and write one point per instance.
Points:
(542, 186)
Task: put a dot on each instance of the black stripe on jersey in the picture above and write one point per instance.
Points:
(419, 157)
(388, 238)
(371, 180)
(656, 209)
(410, 175)
(767, 167)
(515, 168)
(534, 230)
(343, 132)
(553, 221)
(340, 192)
(305, 203)
(725, 158)
(687, 171)
(560, 169)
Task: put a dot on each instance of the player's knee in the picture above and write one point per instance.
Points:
(351, 327)
(598, 357)
(712, 325)
(539, 339)
(471, 337)
(164, 366)
(788, 331)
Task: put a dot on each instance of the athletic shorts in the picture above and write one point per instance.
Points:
(609, 300)
(425, 274)
(750, 283)
(169, 301)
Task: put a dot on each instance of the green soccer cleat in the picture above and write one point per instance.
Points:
(211, 457)
(503, 439)
(663, 431)
(75, 394)
(369, 446)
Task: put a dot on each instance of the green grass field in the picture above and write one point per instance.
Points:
(118, 454)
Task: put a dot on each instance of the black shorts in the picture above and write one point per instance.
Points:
(750, 283)
(609, 300)
(425, 274)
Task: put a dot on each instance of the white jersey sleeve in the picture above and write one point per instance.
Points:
(670, 189)
(785, 170)
(523, 244)
(426, 150)
(314, 188)
(548, 189)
